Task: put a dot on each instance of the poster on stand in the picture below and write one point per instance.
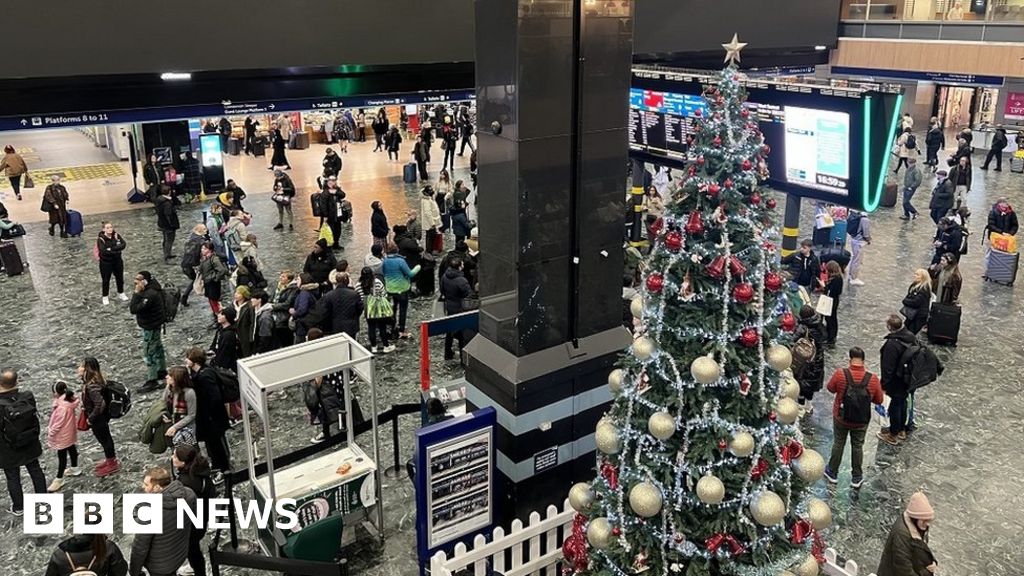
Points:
(1014, 109)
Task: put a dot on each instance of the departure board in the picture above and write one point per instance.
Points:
(660, 122)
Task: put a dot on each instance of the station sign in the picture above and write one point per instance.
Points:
(937, 77)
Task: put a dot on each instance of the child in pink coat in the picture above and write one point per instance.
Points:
(62, 433)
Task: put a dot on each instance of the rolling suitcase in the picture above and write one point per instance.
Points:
(837, 237)
(234, 147)
(889, 194)
(1001, 267)
(75, 225)
(1017, 164)
(944, 324)
(409, 173)
(259, 147)
(11, 258)
(821, 236)
(425, 279)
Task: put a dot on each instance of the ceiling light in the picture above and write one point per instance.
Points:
(819, 47)
(175, 76)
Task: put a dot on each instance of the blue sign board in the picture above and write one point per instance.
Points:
(938, 77)
(227, 108)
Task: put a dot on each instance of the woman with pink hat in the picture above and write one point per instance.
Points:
(906, 551)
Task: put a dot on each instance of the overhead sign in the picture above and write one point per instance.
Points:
(937, 77)
(1014, 109)
(226, 108)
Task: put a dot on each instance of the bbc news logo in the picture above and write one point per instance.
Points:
(144, 514)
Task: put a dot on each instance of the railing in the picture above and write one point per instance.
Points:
(832, 567)
(889, 29)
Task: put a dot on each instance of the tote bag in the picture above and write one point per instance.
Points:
(824, 306)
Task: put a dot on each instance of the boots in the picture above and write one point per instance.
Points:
(107, 467)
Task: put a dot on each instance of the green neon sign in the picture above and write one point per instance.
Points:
(871, 201)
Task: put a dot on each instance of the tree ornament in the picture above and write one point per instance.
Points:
(809, 567)
(810, 466)
(719, 539)
(749, 337)
(615, 378)
(679, 538)
(790, 388)
(655, 282)
(819, 514)
(710, 489)
(694, 224)
(657, 226)
(742, 444)
(772, 282)
(717, 141)
(786, 573)
(791, 451)
(645, 499)
(610, 474)
(661, 425)
(698, 113)
(766, 149)
(705, 370)
(767, 508)
(755, 198)
(700, 160)
(746, 165)
(760, 469)
(787, 410)
(743, 292)
(744, 113)
(643, 348)
(779, 357)
(736, 267)
(686, 292)
(772, 416)
(616, 531)
(607, 438)
(574, 549)
(771, 204)
(674, 241)
(716, 269)
(714, 189)
(636, 307)
(788, 322)
(728, 183)
(581, 497)
(744, 384)
(599, 533)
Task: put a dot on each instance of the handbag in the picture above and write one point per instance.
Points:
(186, 435)
(908, 312)
(824, 306)
(83, 422)
(281, 199)
(199, 285)
(29, 182)
(15, 231)
(327, 234)
(45, 205)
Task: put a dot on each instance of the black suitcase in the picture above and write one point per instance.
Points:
(944, 324)
(836, 253)
(11, 259)
(234, 147)
(1001, 267)
(259, 147)
(821, 236)
(889, 194)
(425, 280)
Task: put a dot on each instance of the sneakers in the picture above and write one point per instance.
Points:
(377, 350)
(831, 476)
(122, 297)
(108, 467)
(56, 485)
(905, 218)
(186, 570)
(317, 439)
(888, 438)
(106, 301)
(389, 348)
(16, 512)
(279, 227)
(218, 477)
(73, 472)
(857, 482)
(856, 282)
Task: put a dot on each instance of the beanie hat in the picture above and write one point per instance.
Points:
(919, 508)
(230, 314)
(322, 243)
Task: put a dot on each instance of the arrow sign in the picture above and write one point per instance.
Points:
(24, 122)
(272, 106)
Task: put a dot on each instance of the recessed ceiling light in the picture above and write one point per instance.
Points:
(819, 47)
(175, 76)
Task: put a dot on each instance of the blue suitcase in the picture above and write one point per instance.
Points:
(409, 173)
(75, 226)
(837, 237)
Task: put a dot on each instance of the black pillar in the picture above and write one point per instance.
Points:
(552, 97)
(791, 225)
(636, 233)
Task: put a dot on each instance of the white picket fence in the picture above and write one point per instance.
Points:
(536, 550)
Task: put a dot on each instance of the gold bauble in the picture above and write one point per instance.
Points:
(742, 444)
(787, 410)
(636, 306)
(790, 388)
(778, 357)
(615, 379)
(809, 567)
(786, 573)
(643, 348)
(581, 497)
(645, 499)
(710, 490)
(705, 370)
(767, 508)
(810, 466)
(599, 533)
(819, 514)
(607, 438)
(661, 425)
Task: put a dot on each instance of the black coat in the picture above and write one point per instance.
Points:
(211, 416)
(11, 457)
(166, 214)
(284, 182)
(814, 371)
(148, 306)
(804, 269)
(409, 249)
(110, 249)
(935, 139)
(245, 324)
(79, 548)
(379, 224)
(319, 266)
(942, 196)
(332, 165)
(225, 348)
(918, 301)
(454, 289)
(283, 301)
(1002, 222)
(152, 174)
(468, 266)
(892, 350)
(999, 141)
(343, 307)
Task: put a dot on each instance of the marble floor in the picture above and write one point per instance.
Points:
(965, 455)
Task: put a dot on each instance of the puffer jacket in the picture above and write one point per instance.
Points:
(148, 306)
(942, 196)
(814, 371)
(454, 289)
(163, 553)
(79, 549)
(11, 457)
(891, 352)
(62, 431)
(283, 301)
(212, 270)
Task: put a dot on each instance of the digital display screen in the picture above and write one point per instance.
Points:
(209, 146)
(663, 120)
(818, 149)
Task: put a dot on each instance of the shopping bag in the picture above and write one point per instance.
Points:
(327, 234)
(824, 306)
(29, 182)
(83, 422)
(1004, 242)
(881, 413)
(198, 286)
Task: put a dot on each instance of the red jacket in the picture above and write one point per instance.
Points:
(837, 386)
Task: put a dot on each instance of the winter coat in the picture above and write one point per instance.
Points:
(13, 165)
(902, 150)
(393, 140)
(837, 386)
(455, 289)
(319, 266)
(197, 479)
(999, 141)
(954, 175)
(57, 196)
(264, 336)
(304, 303)
(892, 350)
(935, 140)
(323, 399)
(211, 415)
(63, 430)
(814, 371)
(414, 230)
(245, 324)
(163, 553)
(803, 269)
(379, 224)
(912, 177)
(942, 196)
(234, 232)
(79, 548)
(430, 214)
(225, 348)
(950, 240)
(213, 270)
(906, 551)
(93, 403)
(283, 301)
(152, 175)
(397, 274)
(468, 266)
(109, 249)
(343, 307)
(1002, 221)
(460, 224)
(409, 249)
(166, 214)
(11, 457)
(919, 300)
(950, 293)
(332, 167)
(148, 306)
(193, 183)
(375, 264)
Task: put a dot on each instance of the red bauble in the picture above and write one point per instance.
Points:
(770, 203)
(716, 269)
(746, 165)
(743, 292)
(714, 189)
(722, 444)
(788, 322)
(749, 337)
(655, 282)
(766, 149)
(744, 384)
(674, 241)
(736, 267)
(773, 282)
(616, 531)
(717, 141)
(692, 171)
(772, 415)
(755, 198)
(698, 113)
(728, 182)
(700, 160)
(657, 226)
(694, 225)
(744, 113)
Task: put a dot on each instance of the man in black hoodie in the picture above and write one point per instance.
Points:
(211, 415)
(804, 266)
(147, 305)
(166, 219)
(343, 306)
(161, 554)
(454, 289)
(19, 443)
(896, 343)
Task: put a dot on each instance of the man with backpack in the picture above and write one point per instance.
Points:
(856, 390)
(907, 365)
(147, 305)
(858, 226)
(19, 440)
(212, 419)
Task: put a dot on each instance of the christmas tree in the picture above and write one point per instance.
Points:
(702, 470)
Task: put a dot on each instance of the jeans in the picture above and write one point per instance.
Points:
(901, 162)
(281, 209)
(856, 258)
(401, 301)
(195, 551)
(449, 157)
(14, 483)
(378, 326)
(840, 432)
(16, 184)
(101, 430)
(168, 242)
(960, 194)
(466, 142)
(993, 153)
(937, 214)
(897, 414)
(113, 268)
(219, 453)
(62, 459)
(153, 353)
(908, 208)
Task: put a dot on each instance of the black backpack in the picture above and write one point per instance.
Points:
(856, 404)
(911, 142)
(346, 211)
(19, 421)
(118, 398)
(919, 366)
(316, 201)
(228, 381)
(853, 224)
(171, 298)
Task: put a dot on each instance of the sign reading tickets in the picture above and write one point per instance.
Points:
(1014, 109)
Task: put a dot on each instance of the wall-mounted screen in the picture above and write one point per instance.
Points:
(817, 148)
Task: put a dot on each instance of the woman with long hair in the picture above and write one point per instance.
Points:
(13, 166)
(94, 552)
(442, 196)
(109, 246)
(917, 301)
(946, 279)
(94, 403)
(833, 288)
(194, 472)
(181, 404)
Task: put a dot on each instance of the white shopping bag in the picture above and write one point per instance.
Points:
(880, 413)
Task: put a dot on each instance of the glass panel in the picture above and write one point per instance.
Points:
(934, 10)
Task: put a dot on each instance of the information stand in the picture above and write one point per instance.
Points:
(346, 481)
(454, 481)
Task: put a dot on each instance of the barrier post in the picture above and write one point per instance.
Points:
(393, 471)
(424, 356)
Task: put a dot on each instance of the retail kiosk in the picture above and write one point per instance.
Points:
(344, 481)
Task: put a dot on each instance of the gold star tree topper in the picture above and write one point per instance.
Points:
(732, 49)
